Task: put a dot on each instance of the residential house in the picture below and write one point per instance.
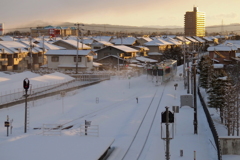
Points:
(70, 59)
(222, 54)
(112, 62)
(143, 40)
(127, 41)
(18, 57)
(158, 45)
(122, 51)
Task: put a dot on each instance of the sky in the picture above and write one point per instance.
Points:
(118, 117)
(15, 13)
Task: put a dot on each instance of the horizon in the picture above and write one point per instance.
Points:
(123, 13)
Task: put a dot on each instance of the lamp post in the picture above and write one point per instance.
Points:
(77, 24)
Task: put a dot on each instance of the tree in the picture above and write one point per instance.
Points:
(206, 72)
(229, 109)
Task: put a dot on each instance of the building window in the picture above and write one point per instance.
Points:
(79, 59)
(55, 59)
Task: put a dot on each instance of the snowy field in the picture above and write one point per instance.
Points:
(112, 106)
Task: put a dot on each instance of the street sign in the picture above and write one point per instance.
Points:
(7, 124)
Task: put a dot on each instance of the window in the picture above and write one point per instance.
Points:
(55, 59)
(15, 55)
(79, 59)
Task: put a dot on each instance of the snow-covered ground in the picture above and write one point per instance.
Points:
(112, 106)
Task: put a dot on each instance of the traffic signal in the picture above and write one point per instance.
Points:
(26, 83)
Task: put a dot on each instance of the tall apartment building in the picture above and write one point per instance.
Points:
(194, 24)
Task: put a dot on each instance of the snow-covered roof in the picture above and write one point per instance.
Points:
(106, 43)
(124, 41)
(157, 42)
(68, 52)
(144, 59)
(209, 39)
(199, 39)
(222, 48)
(125, 48)
(14, 46)
(181, 38)
(102, 38)
(146, 38)
(191, 39)
(74, 43)
(6, 38)
(171, 40)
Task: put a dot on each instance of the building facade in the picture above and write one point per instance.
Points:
(194, 24)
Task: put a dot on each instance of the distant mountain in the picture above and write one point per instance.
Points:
(148, 29)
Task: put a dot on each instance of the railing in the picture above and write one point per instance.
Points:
(14, 97)
(89, 130)
(52, 129)
(211, 125)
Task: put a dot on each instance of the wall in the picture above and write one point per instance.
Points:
(230, 145)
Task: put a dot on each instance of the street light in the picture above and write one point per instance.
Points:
(77, 24)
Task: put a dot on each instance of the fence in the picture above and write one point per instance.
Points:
(52, 129)
(89, 130)
(42, 91)
(211, 125)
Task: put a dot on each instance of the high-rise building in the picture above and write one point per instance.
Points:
(194, 24)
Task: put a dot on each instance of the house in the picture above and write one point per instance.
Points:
(112, 62)
(71, 44)
(142, 50)
(122, 51)
(127, 41)
(70, 59)
(98, 44)
(158, 45)
(142, 40)
(16, 56)
(222, 54)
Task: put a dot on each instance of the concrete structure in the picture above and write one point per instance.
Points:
(1, 29)
(230, 145)
(194, 24)
(66, 59)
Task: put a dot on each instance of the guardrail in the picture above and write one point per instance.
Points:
(11, 99)
(211, 125)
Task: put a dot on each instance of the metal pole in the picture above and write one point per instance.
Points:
(25, 122)
(77, 47)
(167, 136)
(195, 101)
(187, 75)
(237, 101)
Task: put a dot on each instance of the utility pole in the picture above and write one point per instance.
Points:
(31, 58)
(77, 47)
(195, 122)
(78, 24)
(238, 99)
